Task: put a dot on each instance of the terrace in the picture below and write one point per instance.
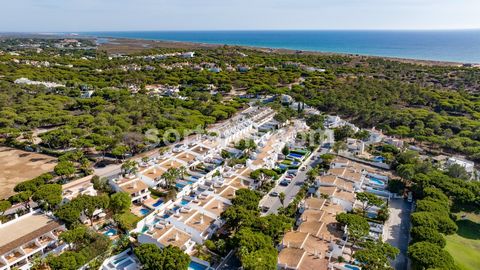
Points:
(135, 188)
(327, 179)
(312, 227)
(155, 172)
(217, 207)
(200, 222)
(159, 230)
(186, 157)
(327, 190)
(294, 239)
(239, 183)
(290, 258)
(203, 200)
(175, 237)
(312, 215)
(344, 195)
(171, 164)
(228, 193)
(184, 214)
(13, 256)
(30, 247)
(201, 150)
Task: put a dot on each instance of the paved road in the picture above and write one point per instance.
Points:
(397, 230)
(273, 203)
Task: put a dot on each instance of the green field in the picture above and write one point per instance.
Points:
(465, 245)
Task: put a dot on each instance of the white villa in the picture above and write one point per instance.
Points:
(26, 237)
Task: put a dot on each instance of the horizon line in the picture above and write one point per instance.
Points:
(241, 30)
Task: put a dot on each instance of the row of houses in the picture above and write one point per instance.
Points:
(318, 242)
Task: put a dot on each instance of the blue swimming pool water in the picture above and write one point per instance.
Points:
(158, 203)
(377, 181)
(378, 159)
(124, 264)
(144, 211)
(178, 185)
(295, 155)
(196, 266)
(110, 232)
(353, 267)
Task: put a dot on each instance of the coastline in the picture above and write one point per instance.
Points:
(126, 45)
(132, 45)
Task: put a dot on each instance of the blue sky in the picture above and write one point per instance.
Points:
(127, 15)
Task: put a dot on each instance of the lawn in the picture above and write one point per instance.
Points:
(464, 246)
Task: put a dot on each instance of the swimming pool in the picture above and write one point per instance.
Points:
(124, 264)
(110, 232)
(295, 155)
(196, 266)
(158, 203)
(378, 159)
(376, 181)
(353, 267)
(144, 211)
(180, 186)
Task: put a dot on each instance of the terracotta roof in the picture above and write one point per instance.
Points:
(314, 203)
(290, 257)
(21, 232)
(133, 187)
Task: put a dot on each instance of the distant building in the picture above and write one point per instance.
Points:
(188, 54)
(286, 99)
(468, 165)
(243, 68)
(86, 94)
(393, 141)
(376, 136)
(30, 82)
(215, 69)
(332, 121)
(355, 146)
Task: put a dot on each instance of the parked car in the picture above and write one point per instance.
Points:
(284, 183)
(274, 194)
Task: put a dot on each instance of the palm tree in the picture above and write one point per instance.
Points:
(170, 177)
(182, 172)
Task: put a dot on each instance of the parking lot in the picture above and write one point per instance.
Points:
(272, 203)
(397, 230)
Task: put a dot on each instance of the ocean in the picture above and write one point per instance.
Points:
(454, 45)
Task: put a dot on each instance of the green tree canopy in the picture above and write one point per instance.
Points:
(167, 258)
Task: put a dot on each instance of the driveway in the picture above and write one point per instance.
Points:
(397, 230)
